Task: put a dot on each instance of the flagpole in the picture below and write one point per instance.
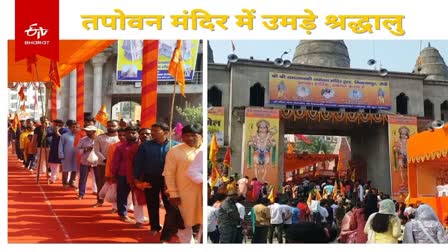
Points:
(172, 107)
(43, 142)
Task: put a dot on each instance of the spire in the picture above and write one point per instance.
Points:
(431, 63)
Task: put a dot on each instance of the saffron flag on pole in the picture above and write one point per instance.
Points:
(214, 176)
(227, 158)
(176, 67)
(342, 188)
(353, 176)
(54, 75)
(335, 189)
(102, 116)
(213, 153)
(15, 123)
(21, 93)
(271, 196)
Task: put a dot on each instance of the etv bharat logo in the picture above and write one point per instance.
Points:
(38, 32)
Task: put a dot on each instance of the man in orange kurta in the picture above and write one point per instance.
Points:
(183, 191)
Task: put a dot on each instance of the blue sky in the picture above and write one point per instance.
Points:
(394, 55)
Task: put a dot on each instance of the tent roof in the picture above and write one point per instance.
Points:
(71, 53)
(428, 145)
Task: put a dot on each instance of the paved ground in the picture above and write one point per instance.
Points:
(43, 213)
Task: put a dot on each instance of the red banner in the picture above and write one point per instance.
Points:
(37, 29)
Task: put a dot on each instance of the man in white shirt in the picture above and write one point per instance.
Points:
(361, 192)
(286, 214)
(212, 223)
(242, 212)
(276, 222)
(195, 170)
(242, 186)
(323, 213)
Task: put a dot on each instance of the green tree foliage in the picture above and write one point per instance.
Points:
(318, 144)
(191, 114)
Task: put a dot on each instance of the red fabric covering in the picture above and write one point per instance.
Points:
(296, 161)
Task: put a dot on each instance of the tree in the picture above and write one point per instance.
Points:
(318, 144)
(191, 114)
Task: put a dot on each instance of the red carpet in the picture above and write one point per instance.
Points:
(51, 214)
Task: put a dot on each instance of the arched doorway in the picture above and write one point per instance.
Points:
(127, 110)
(444, 111)
(429, 109)
(256, 95)
(402, 104)
(214, 97)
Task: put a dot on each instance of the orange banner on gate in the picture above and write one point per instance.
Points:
(400, 129)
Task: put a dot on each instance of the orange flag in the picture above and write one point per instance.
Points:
(335, 189)
(342, 188)
(22, 107)
(54, 75)
(176, 67)
(353, 176)
(15, 123)
(271, 196)
(21, 93)
(214, 176)
(213, 153)
(227, 159)
(102, 116)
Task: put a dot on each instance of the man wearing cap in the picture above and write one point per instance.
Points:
(228, 218)
(85, 147)
(88, 121)
(68, 155)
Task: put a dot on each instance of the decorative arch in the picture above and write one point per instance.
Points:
(126, 107)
